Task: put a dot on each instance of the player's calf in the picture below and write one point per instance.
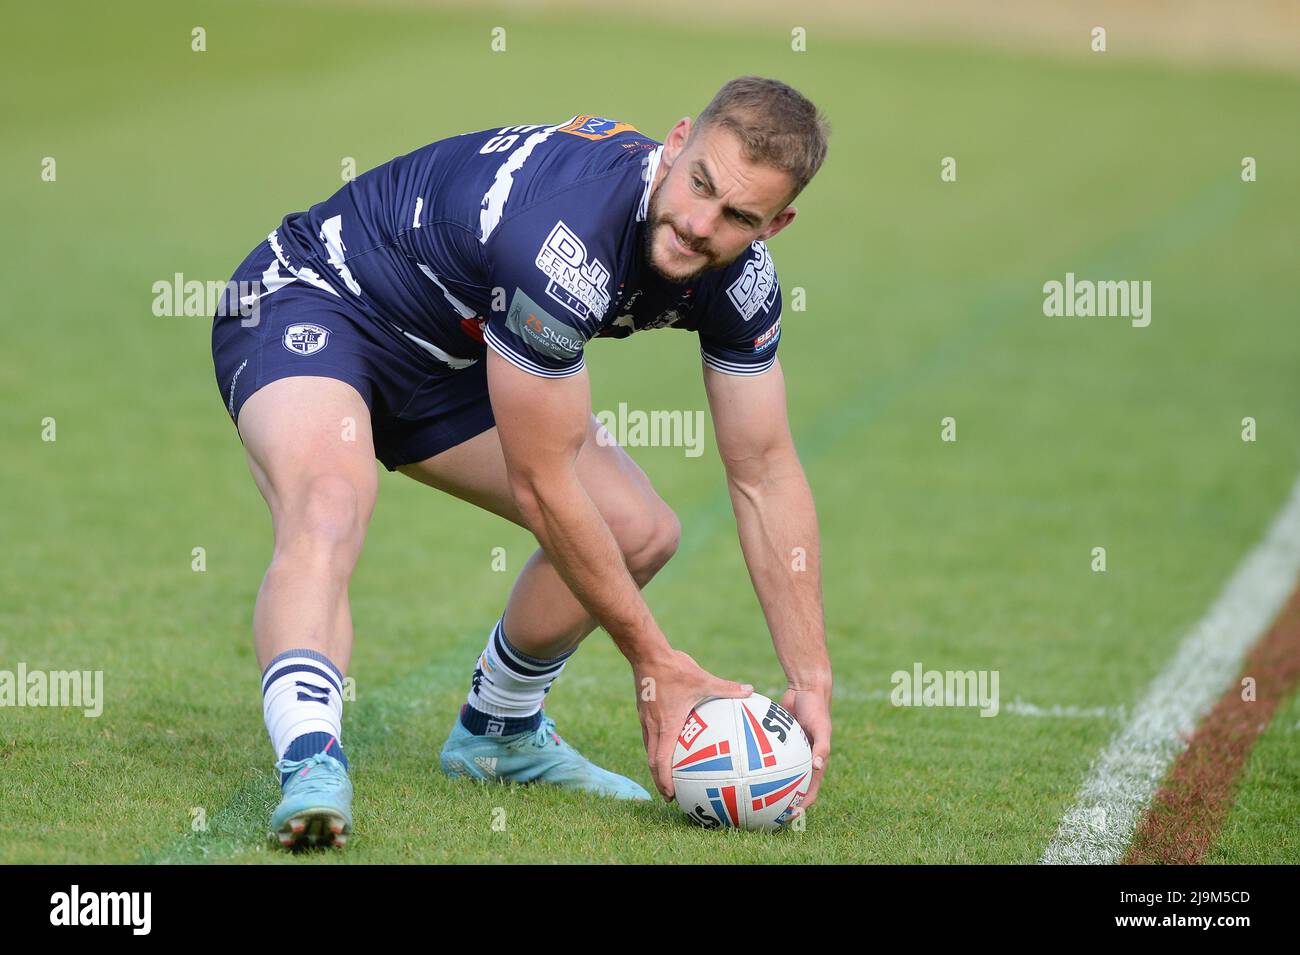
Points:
(303, 601)
(321, 492)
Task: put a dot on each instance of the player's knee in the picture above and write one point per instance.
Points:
(661, 534)
(327, 521)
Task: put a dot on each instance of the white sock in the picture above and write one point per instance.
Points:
(510, 684)
(302, 692)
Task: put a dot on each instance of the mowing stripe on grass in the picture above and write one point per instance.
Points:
(1123, 779)
(1190, 808)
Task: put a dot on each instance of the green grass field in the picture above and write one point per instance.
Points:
(924, 300)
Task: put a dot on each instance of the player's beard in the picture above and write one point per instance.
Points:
(652, 225)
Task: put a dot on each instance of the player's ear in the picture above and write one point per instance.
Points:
(779, 222)
(675, 141)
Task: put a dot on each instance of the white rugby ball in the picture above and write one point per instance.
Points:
(741, 763)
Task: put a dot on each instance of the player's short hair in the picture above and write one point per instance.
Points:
(777, 126)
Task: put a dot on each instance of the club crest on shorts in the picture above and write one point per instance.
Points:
(306, 339)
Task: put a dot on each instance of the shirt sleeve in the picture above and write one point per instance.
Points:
(553, 286)
(744, 323)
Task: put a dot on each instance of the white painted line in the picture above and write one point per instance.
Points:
(1021, 708)
(1017, 706)
(1124, 777)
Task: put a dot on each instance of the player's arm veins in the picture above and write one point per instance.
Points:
(775, 515)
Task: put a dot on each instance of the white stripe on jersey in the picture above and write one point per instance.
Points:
(272, 281)
(526, 364)
(648, 174)
(461, 308)
(450, 361)
(735, 368)
(331, 234)
(305, 274)
(494, 200)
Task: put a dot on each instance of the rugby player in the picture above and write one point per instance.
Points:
(433, 313)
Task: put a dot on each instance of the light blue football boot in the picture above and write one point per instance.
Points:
(531, 756)
(316, 809)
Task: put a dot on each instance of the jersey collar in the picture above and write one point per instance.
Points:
(648, 170)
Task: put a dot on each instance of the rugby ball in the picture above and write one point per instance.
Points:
(743, 764)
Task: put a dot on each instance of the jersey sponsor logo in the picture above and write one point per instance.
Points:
(756, 287)
(580, 285)
(769, 337)
(596, 127)
(543, 332)
(306, 339)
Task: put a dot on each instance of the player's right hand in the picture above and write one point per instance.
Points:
(668, 688)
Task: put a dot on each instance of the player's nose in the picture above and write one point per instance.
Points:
(700, 225)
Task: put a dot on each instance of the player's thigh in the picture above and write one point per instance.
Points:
(309, 446)
(475, 471)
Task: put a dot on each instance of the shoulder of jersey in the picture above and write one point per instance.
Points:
(596, 146)
(592, 144)
(536, 162)
(614, 136)
(748, 285)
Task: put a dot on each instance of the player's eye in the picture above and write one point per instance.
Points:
(697, 182)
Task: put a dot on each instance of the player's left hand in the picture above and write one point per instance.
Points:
(812, 708)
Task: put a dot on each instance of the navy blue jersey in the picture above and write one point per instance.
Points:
(525, 239)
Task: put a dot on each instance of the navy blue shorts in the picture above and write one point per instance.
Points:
(417, 408)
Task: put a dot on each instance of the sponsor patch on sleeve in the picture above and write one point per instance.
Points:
(541, 331)
(596, 127)
(769, 337)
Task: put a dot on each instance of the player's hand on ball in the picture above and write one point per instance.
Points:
(812, 708)
(668, 689)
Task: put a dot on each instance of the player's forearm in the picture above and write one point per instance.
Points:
(571, 530)
(777, 522)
